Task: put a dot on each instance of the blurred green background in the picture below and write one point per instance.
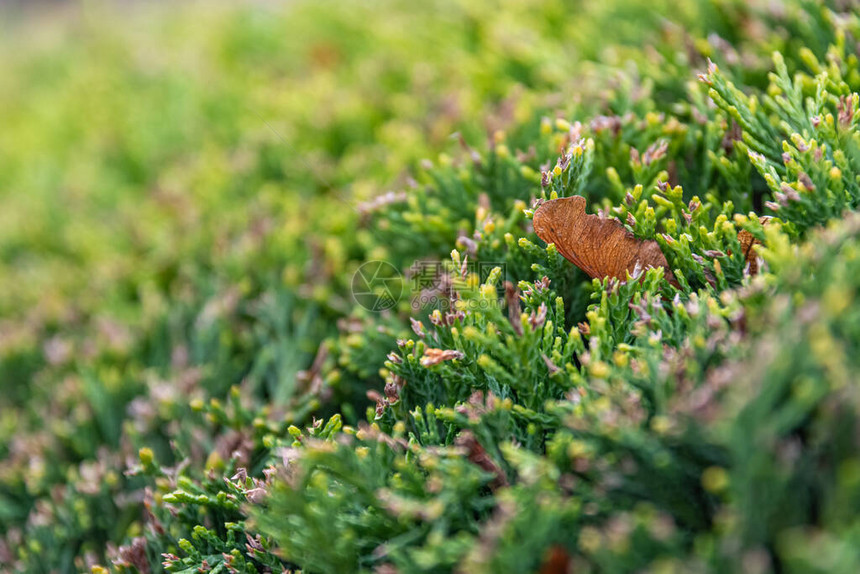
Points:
(178, 193)
(158, 160)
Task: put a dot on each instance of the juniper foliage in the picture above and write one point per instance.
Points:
(222, 403)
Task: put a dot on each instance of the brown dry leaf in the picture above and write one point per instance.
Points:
(478, 455)
(602, 247)
(556, 561)
(748, 242)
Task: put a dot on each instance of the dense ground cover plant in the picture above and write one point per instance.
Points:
(189, 385)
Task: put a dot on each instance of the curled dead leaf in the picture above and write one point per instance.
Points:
(556, 561)
(479, 456)
(600, 246)
(748, 243)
